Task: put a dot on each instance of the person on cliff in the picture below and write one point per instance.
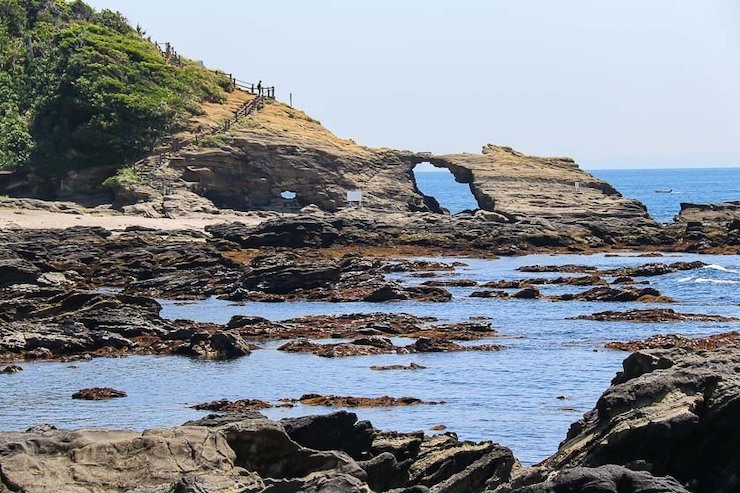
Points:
(259, 88)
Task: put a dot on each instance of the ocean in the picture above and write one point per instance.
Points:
(692, 185)
(697, 185)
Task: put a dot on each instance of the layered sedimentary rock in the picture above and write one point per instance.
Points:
(280, 149)
(670, 413)
(725, 212)
(248, 453)
(707, 227)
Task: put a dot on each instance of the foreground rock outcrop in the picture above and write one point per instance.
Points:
(603, 479)
(670, 413)
(249, 453)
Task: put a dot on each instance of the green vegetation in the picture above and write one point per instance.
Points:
(212, 140)
(80, 88)
(124, 178)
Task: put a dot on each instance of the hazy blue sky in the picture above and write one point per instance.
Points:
(613, 84)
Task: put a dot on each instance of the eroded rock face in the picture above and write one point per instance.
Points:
(670, 412)
(248, 453)
(284, 150)
(708, 227)
(112, 461)
(725, 212)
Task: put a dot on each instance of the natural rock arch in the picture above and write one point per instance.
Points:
(459, 197)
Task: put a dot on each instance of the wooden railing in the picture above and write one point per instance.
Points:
(252, 88)
(159, 160)
(168, 53)
(144, 166)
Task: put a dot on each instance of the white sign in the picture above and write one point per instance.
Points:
(578, 185)
(354, 196)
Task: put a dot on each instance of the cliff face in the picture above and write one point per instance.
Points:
(281, 149)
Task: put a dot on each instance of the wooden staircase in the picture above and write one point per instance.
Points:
(148, 169)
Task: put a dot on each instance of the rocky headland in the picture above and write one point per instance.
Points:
(525, 203)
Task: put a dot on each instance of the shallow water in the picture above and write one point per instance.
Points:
(510, 396)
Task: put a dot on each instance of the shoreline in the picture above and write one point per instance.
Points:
(42, 216)
(19, 218)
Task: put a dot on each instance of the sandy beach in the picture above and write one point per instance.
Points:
(15, 218)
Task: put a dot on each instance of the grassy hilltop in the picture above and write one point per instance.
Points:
(81, 88)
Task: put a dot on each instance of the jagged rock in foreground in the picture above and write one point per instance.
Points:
(671, 413)
(248, 453)
(604, 479)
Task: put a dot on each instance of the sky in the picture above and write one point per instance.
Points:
(628, 84)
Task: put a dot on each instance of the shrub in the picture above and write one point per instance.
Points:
(125, 177)
(80, 88)
(212, 140)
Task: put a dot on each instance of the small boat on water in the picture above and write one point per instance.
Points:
(667, 190)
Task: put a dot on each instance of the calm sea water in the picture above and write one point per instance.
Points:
(707, 185)
(702, 186)
(511, 396)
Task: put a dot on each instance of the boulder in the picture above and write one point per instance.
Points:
(98, 394)
(336, 431)
(9, 370)
(17, 271)
(229, 345)
(527, 294)
(603, 479)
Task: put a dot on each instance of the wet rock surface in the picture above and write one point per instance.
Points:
(623, 295)
(569, 268)
(653, 269)
(666, 341)
(654, 315)
(411, 366)
(43, 323)
(359, 326)
(349, 401)
(98, 394)
(374, 345)
(227, 406)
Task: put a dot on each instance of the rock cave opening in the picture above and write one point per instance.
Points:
(290, 200)
(440, 183)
